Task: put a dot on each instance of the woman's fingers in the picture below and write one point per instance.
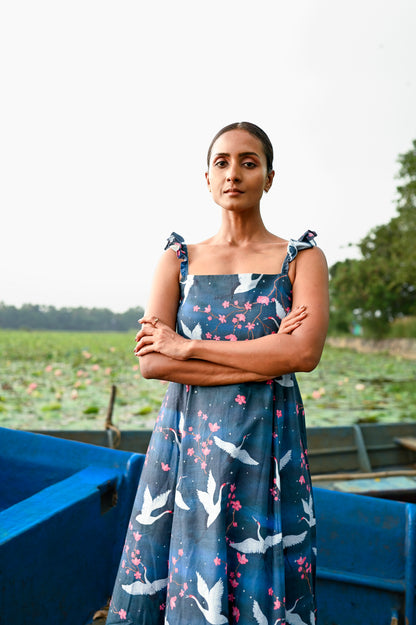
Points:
(152, 319)
(293, 320)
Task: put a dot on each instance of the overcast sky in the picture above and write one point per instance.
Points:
(107, 110)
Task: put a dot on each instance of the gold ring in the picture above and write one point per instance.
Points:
(155, 322)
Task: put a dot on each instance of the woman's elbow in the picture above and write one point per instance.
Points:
(310, 360)
(150, 367)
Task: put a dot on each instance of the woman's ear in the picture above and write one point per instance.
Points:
(269, 181)
(208, 182)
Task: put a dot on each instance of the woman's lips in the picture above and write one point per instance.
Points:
(233, 191)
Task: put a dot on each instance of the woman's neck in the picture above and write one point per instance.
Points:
(240, 229)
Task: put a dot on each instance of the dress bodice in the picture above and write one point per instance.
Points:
(234, 307)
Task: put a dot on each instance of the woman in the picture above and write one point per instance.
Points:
(223, 527)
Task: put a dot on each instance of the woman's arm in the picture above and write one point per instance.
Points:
(156, 366)
(163, 305)
(270, 356)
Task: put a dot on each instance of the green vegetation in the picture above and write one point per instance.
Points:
(380, 287)
(62, 380)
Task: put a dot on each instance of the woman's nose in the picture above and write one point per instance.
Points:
(233, 173)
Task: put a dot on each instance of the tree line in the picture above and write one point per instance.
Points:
(36, 317)
(379, 288)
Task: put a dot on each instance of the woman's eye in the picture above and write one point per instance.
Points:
(220, 163)
(249, 164)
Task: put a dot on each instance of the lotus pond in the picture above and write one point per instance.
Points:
(62, 380)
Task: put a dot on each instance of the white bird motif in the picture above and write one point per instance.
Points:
(308, 508)
(247, 282)
(251, 545)
(213, 599)
(196, 333)
(179, 500)
(294, 539)
(149, 505)
(146, 587)
(285, 380)
(280, 311)
(259, 616)
(188, 282)
(235, 452)
(207, 499)
(280, 465)
(294, 619)
(181, 431)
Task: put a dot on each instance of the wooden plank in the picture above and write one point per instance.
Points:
(409, 442)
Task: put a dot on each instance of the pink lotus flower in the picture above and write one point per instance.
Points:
(225, 304)
(217, 561)
(172, 602)
(231, 337)
(214, 427)
(122, 614)
(240, 399)
(165, 467)
(222, 318)
(263, 299)
(236, 614)
(242, 558)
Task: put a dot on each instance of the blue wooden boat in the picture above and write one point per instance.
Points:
(64, 509)
(365, 494)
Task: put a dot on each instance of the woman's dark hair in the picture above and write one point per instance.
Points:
(254, 130)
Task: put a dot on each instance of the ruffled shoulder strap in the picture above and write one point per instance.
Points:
(294, 246)
(178, 245)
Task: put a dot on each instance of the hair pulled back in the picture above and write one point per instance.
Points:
(254, 130)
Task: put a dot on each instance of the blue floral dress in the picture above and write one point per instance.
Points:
(223, 525)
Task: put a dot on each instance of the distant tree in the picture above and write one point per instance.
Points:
(35, 317)
(381, 285)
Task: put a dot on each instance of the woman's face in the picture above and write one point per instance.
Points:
(237, 175)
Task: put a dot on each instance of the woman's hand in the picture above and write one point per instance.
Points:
(156, 336)
(293, 320)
